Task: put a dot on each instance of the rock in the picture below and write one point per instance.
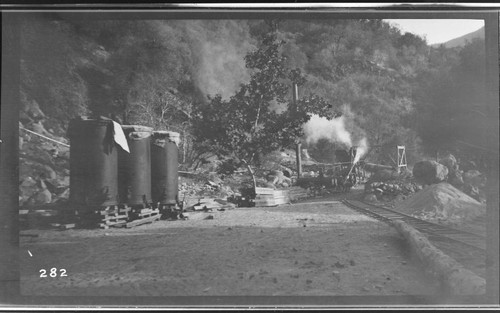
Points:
(40, 198)
(64, 194)
(450, 162)
(30, 107)
(455, 178)
(400, 197)
(28, 182)
(405, 173)
(213, 178)
(472, 191)
(474, 178)
(370, 198)
(49, 172)
(430, 172)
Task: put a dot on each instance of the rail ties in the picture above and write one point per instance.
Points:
(436, 231)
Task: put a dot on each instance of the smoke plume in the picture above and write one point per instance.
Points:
(334, 130)
(361, 150)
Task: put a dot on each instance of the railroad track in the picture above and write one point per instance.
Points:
(438, 233)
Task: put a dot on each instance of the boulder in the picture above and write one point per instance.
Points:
(42, 197)
(430, 172)
(474, 178)
(30, 107)
(450, 162)
(455, 178)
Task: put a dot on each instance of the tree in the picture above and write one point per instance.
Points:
(451, 102)
(249, 124)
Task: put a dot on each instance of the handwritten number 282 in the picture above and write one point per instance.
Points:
(53, 272)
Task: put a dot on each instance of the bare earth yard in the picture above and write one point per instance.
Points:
(301, 249)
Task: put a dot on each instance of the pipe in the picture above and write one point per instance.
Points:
(371, 167)
(58, 142)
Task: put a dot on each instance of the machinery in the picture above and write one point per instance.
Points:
(340, 176)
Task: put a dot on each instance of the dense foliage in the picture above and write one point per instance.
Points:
(225, 85)
(250, 124)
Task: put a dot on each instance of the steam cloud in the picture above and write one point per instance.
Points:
(362, 149)
(335, 131)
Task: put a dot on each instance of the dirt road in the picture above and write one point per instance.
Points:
(300, 249)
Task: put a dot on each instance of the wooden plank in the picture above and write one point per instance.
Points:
(114, 217)
(143, 221)
(67, 226)
(149, 213)
(281, 192)
(264, 191)
(113, 224)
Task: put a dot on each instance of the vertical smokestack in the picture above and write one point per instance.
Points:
(352, 153)
(295, 97)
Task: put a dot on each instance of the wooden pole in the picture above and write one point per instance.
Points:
(295, 97)
(299, 160)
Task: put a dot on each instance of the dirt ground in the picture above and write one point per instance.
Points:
(321, 248)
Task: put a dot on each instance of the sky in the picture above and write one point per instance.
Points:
(437, 30)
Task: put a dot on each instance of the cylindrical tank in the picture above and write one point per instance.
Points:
(164, 161)
(93, 162)
(134, 168)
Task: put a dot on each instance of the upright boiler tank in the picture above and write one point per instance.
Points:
(164, 161)
(93, 162)
(134, 168)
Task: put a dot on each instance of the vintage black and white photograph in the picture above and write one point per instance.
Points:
(269, 155)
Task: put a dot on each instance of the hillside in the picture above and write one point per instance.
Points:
(462, 40)
(223, 79)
